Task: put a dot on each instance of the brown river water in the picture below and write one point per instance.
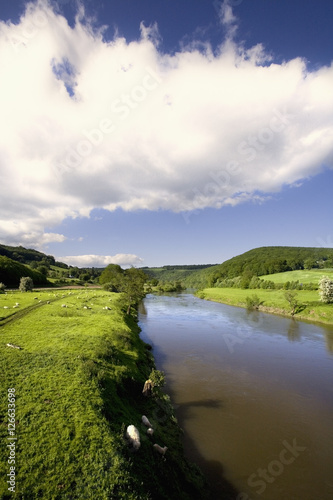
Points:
(253, 393)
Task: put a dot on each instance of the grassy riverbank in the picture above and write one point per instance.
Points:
(78, 381)
(274, 301)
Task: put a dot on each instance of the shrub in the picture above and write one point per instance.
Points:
(157, 378)
(252, 302)
(26, 284)
(326, 289)
(291, 297)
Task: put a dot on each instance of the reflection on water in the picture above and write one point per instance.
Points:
(329, 341)
(294, 331)
(246, 386)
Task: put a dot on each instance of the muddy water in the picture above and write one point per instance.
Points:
(253, 393)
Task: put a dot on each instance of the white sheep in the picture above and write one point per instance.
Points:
(150, 431)
(133, 436)
(63, 305)
(160, 450)
(145, 421)
(14, 346)
(5, 307)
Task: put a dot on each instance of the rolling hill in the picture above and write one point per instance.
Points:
(263, 261)
(11, 272)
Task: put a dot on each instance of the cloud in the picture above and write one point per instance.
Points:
(122, 259)
(87, 123)
(226, 14)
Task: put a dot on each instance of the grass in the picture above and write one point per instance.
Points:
(274, 301)
(78, 380)
(303, 276)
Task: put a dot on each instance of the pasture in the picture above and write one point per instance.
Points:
(78, 379)
(304, 276)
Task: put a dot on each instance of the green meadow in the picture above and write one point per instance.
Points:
(274, 301)
(78, 381)
(303, 276)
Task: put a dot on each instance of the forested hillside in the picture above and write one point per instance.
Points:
(262, 261)
(173, 273)
(11, 272)
(26, 255)
(57, 272)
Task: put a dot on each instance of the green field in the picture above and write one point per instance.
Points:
(304, 276)
(78, 381)
(274, 301)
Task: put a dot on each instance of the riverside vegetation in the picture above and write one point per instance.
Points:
(78, 381)
(297, 302)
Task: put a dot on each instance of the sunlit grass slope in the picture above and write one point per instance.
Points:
(304, 276)
(78, 380)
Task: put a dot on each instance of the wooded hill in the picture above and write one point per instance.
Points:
(173, 273)
(11, 272)
(26, 255)
(262, 261)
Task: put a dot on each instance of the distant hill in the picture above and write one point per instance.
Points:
(11, 272)
(173, 273)
(26, 255)
(262, 261)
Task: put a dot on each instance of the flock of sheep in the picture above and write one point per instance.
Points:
(133, 436)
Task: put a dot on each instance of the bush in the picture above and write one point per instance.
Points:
(157, 378)
(252, 302)
(291, 297)
(326, 290)
(26, 284)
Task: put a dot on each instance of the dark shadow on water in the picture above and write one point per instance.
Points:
(183, 410)
(221, 488)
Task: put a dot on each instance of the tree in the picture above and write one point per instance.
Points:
(132, 286)
(130, 282)
(26, 284)
(112, 277)
(326, 290)
(43, 270)
(310, 263)
(85, 277)
(291, 297)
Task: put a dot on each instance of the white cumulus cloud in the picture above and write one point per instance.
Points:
(122, 259)
(87, 123)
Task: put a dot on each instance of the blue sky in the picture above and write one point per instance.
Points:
(153, 132)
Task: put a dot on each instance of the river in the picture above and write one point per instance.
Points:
(253, 393)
